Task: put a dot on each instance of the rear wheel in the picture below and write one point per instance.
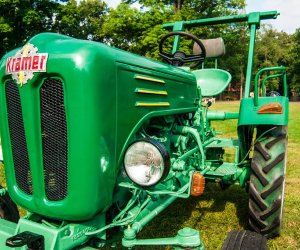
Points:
(244, 240)
(267, 182)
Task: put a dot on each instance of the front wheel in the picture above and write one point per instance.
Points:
(267, 181)
(8, 209)
(244, 240)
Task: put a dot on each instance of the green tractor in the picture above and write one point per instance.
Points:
(98, 141)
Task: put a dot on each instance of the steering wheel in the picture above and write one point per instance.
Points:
(179, 58)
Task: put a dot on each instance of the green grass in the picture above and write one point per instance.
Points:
(218, 212)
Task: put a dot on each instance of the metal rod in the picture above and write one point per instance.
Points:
(263, 89)
(253, 28)
(279, 68)
(223, 20)
(152, 211)
(195, 134)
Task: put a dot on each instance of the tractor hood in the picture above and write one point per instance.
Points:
(68, 109)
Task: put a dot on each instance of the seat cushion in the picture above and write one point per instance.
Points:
(214, 47)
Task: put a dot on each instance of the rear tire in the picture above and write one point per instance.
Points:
(245, 240)
(267, 181)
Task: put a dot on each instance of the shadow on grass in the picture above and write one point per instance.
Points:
(220, 198)
(216, 210)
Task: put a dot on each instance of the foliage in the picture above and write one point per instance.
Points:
(82, 21)
(142, 29)
(295, 65)
(203, 7)
(275, 48)
(137, 28)
(20, 20)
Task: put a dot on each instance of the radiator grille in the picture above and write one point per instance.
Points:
(17, 138)
(54, 139)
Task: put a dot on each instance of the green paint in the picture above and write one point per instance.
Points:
(64, 236)
(221, 115)
(178, 26)
(253, 28)
(212, 81)
(89, 102)
(269, 70)
(112, 98)
(224, 20)
(249, 112)
(185, 238)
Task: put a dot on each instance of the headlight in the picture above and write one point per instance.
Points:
(147, 162)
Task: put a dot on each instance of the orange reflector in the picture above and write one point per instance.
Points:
(198, 184)
(271, 108)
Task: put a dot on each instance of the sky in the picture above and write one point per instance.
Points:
(288, 20)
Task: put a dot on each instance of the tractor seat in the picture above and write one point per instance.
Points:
(212, 81)
(214, 47)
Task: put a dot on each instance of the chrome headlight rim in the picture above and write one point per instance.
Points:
(164, 154)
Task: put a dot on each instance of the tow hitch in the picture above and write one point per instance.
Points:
(31, 240)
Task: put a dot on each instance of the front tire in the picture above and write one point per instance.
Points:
(244, 240)
(8, 209)
(267, 181)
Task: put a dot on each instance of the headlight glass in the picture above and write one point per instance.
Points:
(146, 162)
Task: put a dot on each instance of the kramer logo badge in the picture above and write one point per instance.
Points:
(25, 63)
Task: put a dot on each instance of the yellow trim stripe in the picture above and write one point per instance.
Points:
(150, 91)
(152, 104)
(149, 79)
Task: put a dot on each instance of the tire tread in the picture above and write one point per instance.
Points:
(244, 240)
(262, 151)
(267, 182)
(277, 183)
(255, 169)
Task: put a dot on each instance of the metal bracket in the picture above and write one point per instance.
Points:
(254, 18)
(186, 238)
(31, 240)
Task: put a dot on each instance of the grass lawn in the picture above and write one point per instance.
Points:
(217, 212)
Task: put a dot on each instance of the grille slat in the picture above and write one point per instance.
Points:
(17, 138)
(54, 139)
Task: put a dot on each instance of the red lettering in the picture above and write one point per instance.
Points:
(8, 65)
(18, 64)
(43, 57)
(13, 64)
(35, 63)
(26, 63)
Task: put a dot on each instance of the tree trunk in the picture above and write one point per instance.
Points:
(178, 5)
(242, 80)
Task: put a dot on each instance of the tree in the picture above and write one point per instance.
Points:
(203, 7)
(81, 21)
(20, 20)
(139, 31)
(136, 31)
(294, 75)
(235, 60)
(122, 27)
(273, 49)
